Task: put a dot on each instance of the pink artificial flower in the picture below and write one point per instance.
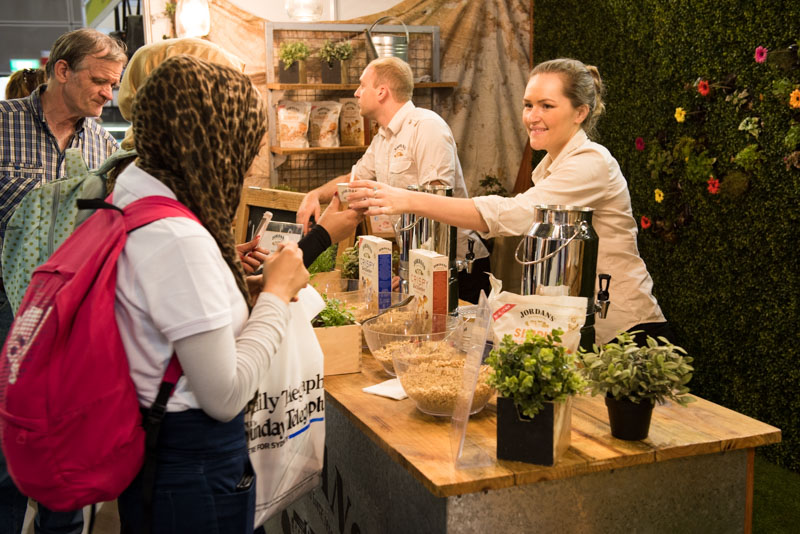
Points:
(645, 222)
(639, 144)
(761, 54)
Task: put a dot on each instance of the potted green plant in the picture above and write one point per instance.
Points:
(634, 378)
(535, 383)
(293, 54)
(339, 336)
(334, 61)
(330, 66)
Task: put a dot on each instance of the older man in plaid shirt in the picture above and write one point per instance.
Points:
(84, 66)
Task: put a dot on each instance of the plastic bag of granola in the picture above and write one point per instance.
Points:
(351, 123)
(293, 123)
(517, 314)
(325, 123)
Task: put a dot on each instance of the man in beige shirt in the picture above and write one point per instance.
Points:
(414, 146)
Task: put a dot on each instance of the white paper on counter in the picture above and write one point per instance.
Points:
(391, 389)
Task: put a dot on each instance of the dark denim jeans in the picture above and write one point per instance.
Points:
(204, 480)
(13, 504)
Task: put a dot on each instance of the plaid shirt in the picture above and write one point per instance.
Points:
(29, 152)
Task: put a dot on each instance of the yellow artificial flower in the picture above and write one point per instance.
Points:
(659, 195)
(794, 99)
(680, 114)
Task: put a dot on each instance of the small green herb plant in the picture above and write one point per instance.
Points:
(325, 262)
(331, 51)
(350, 262)
(335, 313)
(291, 52)
(625, 370)
(493, 186)
(534, 372)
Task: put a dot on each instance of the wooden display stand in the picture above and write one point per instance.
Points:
(390, 470)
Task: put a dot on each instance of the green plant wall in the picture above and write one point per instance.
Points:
(723, 242)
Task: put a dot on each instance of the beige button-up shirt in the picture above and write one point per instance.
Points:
(586, 174)
(416, 148)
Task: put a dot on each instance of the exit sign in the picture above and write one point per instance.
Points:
(19, 64)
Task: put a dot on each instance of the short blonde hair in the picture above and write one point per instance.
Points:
(396, 75)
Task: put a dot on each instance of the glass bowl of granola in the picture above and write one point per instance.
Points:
(405, 327)
(432, 375)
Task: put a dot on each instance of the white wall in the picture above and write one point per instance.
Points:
(275, 11)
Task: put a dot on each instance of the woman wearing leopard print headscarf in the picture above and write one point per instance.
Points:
(181, 289)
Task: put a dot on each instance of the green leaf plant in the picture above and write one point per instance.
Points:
(291, 52)
(335, 313)
(625, 370)
(534, 372)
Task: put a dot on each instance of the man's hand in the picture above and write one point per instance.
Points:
(339, 224)
(308, 207)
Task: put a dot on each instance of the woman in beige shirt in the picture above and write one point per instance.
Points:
(562, 102)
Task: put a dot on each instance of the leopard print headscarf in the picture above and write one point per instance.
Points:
(197, 129)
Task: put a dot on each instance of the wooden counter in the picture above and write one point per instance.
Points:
(389, 469)
(421, 443)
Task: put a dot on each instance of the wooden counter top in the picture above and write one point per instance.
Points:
(421, 443)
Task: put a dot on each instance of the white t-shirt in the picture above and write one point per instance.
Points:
(586, 174)
(172, 282)
(416, 148)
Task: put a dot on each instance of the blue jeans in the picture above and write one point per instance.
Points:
(204, 480)
(13, 504)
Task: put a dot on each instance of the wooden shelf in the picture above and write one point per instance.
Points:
(318, 150)
(348, 86)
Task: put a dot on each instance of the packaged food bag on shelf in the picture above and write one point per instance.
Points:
(375, 269)
(325, 123)
(293, 123)
(351, 123)
(517, 314)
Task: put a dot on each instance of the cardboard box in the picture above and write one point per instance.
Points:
(341, 346)
(428, 278)
(280, 232)
(375, 269)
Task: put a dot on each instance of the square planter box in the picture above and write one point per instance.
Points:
(295, 74)
(321, 281)
(331, 73)
(341, 346)
(541, 440)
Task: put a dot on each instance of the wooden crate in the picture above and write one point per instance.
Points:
(341, 346)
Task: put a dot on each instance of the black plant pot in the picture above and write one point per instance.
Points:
(628, 420)
(289, 75)
(540, 440)
(331, 73)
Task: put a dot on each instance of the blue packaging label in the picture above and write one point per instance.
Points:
(384, 281)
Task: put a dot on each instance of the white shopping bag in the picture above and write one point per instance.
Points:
(285, 422)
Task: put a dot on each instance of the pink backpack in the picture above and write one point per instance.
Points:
(70, 425)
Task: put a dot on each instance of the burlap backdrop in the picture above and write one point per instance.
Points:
(485, 47)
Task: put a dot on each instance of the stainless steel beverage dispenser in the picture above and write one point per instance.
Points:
(422, 232)
(560, 258)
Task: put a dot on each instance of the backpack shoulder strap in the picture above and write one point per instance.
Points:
(152, 208)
